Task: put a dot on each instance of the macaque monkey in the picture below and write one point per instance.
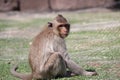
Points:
(48, 55)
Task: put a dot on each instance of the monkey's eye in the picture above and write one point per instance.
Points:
(61, 26)
(67, 25)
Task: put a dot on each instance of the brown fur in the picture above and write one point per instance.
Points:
(48, 54)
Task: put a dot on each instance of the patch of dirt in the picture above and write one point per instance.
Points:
(95, 26)
(26, 16)
(30, 32)
(94, 64)
(19, 33)
(21, 16)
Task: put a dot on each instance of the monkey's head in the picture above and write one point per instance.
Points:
(60, 26)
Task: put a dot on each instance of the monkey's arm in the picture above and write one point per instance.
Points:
(76, 69)
(72, 66)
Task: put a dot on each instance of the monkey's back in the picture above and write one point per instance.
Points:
(40, 46)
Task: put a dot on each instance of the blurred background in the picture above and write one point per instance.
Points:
(93, 43)
(55, 5)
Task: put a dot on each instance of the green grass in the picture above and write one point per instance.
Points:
(95, 49)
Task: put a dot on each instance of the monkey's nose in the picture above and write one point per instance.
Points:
(65, 32)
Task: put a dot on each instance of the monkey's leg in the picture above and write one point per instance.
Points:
(53, 66)
(78, 70)
(56, 65)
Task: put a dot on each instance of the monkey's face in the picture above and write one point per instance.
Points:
(60, 26)
(63, 30)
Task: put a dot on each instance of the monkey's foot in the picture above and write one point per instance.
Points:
(87, 73)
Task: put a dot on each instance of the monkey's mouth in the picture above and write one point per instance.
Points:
(63, 35)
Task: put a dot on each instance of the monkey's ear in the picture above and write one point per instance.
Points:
(60, 15)
(50, 24)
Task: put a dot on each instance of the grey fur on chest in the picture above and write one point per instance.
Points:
(59, 45)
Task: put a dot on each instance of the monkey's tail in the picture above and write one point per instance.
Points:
(20, 75)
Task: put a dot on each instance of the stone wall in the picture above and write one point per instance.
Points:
(34, 5)
(8, 5)
(53, 5)
(78, 4)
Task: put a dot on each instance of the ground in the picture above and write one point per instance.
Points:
(93, 43)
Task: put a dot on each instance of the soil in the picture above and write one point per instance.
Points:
(30, 32)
